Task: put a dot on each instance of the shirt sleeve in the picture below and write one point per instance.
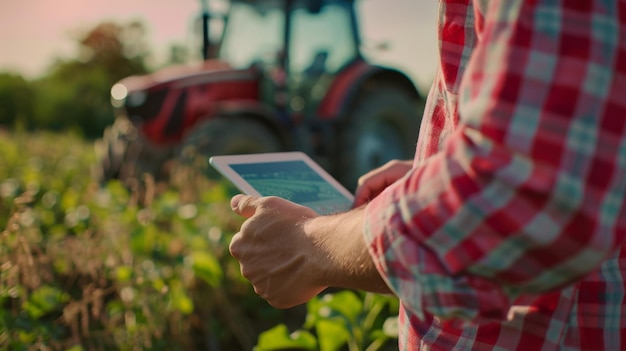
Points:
(527, 195)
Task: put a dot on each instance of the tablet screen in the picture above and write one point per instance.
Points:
(291, 175)
(295, 181)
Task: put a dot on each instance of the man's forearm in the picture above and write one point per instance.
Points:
(349, 263)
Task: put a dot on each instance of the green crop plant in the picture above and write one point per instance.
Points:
(87, 266)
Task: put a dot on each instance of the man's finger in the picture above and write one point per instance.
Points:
(361, 197)
(243, 205)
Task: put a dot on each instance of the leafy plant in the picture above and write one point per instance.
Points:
(90, 267)
(338, 321)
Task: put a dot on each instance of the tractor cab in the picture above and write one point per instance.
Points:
(298, 46)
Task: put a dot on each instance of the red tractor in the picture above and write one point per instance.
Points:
(287, 75)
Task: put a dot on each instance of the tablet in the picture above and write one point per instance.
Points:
(290, 175)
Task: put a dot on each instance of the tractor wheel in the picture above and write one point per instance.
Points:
(124, 154)
(383, 125)
(226, 136)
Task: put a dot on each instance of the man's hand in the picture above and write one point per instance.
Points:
(374, 182)
(290, 254)
(275, 254)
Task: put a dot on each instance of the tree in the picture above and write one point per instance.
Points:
(16, 101)
(178, 54)
(120, 49)
(76, 93)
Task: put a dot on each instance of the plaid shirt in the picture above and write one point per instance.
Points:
(508, 234)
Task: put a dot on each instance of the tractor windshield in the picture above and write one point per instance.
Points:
(253, 33)
(321, 41)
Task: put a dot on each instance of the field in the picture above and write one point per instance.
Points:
(88, 266)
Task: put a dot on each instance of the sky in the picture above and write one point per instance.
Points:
(35, 32)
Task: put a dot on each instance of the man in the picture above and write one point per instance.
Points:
(507, 231)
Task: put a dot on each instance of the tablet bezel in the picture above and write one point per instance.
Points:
(222, 164)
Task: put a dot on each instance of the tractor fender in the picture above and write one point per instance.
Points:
(254, 110)
(356, 79)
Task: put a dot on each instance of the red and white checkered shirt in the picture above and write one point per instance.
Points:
(508, 234)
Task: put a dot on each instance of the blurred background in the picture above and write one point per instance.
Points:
(43, 43)
(98, 264)
(36, 33)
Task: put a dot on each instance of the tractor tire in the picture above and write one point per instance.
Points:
(226, 136)
(123, 154)
(383, 125)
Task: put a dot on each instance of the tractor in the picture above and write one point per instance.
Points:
(286, 75)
